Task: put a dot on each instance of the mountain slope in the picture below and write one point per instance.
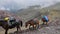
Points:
(29, 13)
(55, 6)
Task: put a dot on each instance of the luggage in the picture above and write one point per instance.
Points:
(46, 18)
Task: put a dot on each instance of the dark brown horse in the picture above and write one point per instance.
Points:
(33, 22)
(5, 25)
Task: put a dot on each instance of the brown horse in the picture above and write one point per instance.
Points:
(5, 25)
(33, 22)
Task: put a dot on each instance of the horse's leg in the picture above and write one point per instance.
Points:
(34, 26)
(43, 23)
(18, 28)
(6, 31)
(30, 26)
(37, 25)
(47, 22)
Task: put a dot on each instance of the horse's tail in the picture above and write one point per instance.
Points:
(26, 24)
(21, 23)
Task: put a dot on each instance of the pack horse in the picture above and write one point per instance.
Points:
(4, 24)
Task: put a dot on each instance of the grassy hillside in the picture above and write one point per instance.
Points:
(53, 10)
(55, 6)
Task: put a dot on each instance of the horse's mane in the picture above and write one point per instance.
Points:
(30, 20)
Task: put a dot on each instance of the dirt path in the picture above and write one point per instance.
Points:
(52, 28)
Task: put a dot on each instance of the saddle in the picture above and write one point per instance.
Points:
(34, 21)
(11, 22)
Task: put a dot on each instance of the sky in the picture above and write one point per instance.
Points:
(17, 4)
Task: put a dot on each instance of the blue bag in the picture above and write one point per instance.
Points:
(46, 18)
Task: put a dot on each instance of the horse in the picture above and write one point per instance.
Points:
(4, 24)
(45, 22)
(33, 23)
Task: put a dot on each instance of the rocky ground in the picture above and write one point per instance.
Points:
(52, 28)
